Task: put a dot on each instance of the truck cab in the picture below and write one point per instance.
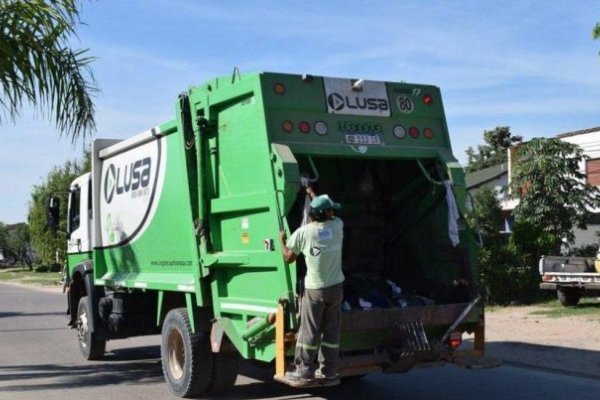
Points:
(79, 219)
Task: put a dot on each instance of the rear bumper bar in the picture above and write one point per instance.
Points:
(581, 285)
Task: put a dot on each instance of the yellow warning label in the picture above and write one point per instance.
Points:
(245, 238)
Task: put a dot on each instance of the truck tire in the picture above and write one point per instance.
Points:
(187, 359)
(568, 296)
(92, 347)
(225, 370)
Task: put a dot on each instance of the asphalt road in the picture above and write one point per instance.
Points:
(39, 359)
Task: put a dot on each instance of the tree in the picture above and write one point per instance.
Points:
(497, 141)
(554, 195)
(15, 244)
(45, 242)
(487, 215)
(3, 240)
(38, 66)
(596, 31)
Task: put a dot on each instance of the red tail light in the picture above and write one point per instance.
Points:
(427, 99)
(455, 340)
(304, 127)
(279, 89)
(413, 132)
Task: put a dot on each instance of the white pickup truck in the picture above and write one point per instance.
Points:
(571, 277)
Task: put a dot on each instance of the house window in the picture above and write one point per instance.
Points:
(592, 171)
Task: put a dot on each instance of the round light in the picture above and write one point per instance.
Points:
(428, 133)
(399, 132)
(279, 89)
(413, 132)
(304, 127)
(427, 99)
(287, 126)
(321, 128)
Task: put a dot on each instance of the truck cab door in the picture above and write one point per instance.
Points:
(79, 215)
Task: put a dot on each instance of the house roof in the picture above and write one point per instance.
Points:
(580, 132)
(478, 178)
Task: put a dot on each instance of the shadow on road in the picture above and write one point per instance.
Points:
(89, 375)
(133, 354)
(130, 365)
(141, 366)
(554, 358)
(262, 386)
(135, 366)
(8, 314)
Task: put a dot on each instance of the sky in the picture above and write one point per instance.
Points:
(530, 65)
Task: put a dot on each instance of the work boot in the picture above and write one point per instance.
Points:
(331, 380)
(299, 376)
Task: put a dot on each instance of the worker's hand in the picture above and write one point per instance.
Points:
(282, 236)
(310, 192)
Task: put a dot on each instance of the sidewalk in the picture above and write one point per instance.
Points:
(567, 344)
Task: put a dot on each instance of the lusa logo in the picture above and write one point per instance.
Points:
(338, 102)
(127, 178)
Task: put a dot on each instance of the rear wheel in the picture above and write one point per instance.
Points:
(569, 296)
(92, 348)
(187, 359)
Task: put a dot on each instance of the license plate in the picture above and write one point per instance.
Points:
(361, 138)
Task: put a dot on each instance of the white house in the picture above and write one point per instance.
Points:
(589, 141)
(499, 176)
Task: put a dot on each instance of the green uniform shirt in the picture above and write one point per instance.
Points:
(321, 244)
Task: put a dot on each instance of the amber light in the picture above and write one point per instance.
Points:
(428, 133)
(428, 100)
(304, 127)
(279, 89)
(287, 126)
(413, 132)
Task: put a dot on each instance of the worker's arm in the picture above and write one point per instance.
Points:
(288, 255)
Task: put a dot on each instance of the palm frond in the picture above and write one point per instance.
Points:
(37, 64)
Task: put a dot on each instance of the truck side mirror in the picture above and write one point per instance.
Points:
(53, 213)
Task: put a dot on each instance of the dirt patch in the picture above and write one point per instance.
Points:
(528, 335)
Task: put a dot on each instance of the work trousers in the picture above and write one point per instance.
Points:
(320, 319)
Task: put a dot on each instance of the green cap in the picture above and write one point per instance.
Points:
(324, 202)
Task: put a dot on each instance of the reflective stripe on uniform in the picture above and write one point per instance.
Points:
(307, 346)
(332, 345)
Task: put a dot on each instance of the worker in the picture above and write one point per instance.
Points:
(320, 241)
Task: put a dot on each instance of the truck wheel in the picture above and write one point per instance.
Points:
(92, 348)
(186, 357)
(225, 369)
(568, 296)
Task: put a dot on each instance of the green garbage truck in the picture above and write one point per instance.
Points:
(174, 230)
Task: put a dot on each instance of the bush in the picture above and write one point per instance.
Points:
(48, 268)
(508, 266)
(507, 276)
